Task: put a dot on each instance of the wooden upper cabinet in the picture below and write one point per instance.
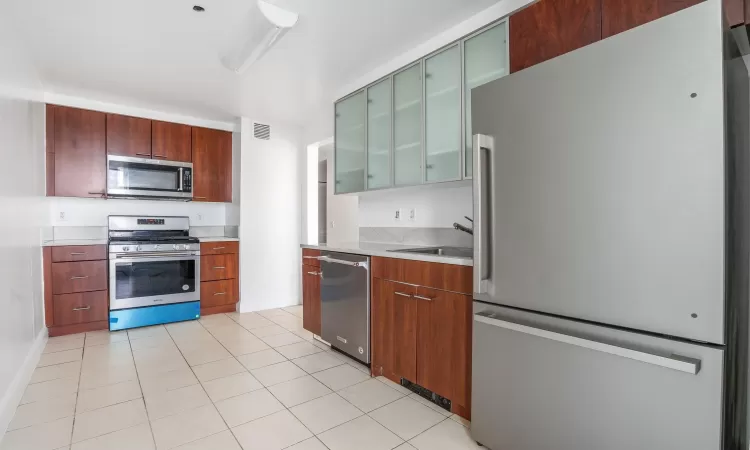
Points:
(212, 165)
(128, 136)
(171, 141)
(619, 15)
(79, 145)
(550, 28)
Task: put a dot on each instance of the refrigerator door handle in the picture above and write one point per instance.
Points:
(675, 362)
(482, 147)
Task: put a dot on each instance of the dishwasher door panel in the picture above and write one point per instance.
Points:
(545, 383)
(345, 303)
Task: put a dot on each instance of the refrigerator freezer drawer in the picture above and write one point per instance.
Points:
(541, 383)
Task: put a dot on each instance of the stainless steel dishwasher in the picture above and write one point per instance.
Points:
(345, 299)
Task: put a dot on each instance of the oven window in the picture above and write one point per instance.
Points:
(146, 279)
(150, 177)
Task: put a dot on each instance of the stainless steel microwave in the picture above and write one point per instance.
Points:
(149, 178)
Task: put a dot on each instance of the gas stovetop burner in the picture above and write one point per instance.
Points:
(141, 240)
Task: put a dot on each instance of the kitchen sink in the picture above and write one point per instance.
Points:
(455, 252)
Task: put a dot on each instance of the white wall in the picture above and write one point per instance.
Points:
(270, 217)
(22, 216)
(342, 210)
(92, 212)
(436, 206)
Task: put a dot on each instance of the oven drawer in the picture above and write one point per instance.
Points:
(83, 276)
(82, 307)
(220, 248)
(218, 293)
(218, 267)
(79, 253)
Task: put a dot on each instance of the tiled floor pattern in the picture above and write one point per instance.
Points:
(225, 382)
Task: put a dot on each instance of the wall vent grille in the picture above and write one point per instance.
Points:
(262, 131)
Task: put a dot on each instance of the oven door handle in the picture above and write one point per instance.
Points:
(133, 257)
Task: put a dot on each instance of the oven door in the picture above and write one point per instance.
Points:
(149, 280)
(143, 177)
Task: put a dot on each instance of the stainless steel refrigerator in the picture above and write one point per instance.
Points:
(611, 245)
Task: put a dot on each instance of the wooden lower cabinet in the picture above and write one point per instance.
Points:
(76, 298)
(311, 307)
(220, 265)
(423, 334)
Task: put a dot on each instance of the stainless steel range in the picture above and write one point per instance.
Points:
(154, 271)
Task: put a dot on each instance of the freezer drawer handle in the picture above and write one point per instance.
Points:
(341, 261)
(676, 362)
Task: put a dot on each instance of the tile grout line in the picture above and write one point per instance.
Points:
(143, 394)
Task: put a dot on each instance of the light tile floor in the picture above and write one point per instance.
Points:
(225, 382)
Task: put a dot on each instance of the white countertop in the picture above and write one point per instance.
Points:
(64, 242)
(384, 250)
(218, 239)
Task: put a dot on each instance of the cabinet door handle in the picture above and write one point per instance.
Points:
(77, 253)
(423, 298)
(402, 294)
(79, 278)
(219, 267)
(220, 293)
(82, 308)
(158, 156)
(219, 248)
(144, 154)
(314, 273)
(96, 192)
(195, 196)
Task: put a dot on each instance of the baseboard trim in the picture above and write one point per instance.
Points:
(12, 397)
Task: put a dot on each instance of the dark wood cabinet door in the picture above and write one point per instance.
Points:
(734, 12)
(80, 152)
(218, 293)
(171, 141)
(128, 136)
(381, 328)
(404, 322)
(311, 307)
(212, 165)
(219, 267)
(81, 307)
(444, 344)
(550, 28)
(80, 276)
(619, 16)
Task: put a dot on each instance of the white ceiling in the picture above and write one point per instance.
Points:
(161, 54)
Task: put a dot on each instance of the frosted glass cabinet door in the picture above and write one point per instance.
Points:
(443, 115)
(407, 126)
(485, 60)
(350, 144)
(379, 135)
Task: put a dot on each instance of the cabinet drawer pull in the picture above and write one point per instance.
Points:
(219, 248)
(159, 156)
(79, 278)
(144, 154)
(96, 192)
(77, 253)
(195, 196)
(423, 298)
(219, 267)
(82, 308)
(402, 294)
(220, 293)
(313, 273)
(312, 257)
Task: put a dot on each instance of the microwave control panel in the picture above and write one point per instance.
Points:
(187, 180)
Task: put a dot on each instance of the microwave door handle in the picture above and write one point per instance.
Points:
(179, 175)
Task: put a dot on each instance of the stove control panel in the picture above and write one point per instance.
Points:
(193, 248)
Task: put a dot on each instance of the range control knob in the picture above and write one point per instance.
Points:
(126, 249)
(176, 247)
(157, 247)
(138, 248)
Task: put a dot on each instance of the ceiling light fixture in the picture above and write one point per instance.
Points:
(198, 8)
(262, 27)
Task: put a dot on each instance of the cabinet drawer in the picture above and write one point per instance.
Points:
(218, 293)
(220, 248)
(218, 267)
(83, 276)
(79, 253)
(447, 277)
(82, 307)
(309, 257)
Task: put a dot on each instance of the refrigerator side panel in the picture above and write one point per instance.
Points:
(548, 383)
(606, 189)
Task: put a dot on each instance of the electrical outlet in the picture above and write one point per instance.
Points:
(62, 215)
(413, 214)
(200, 217)
(333, 224)
(397, 216)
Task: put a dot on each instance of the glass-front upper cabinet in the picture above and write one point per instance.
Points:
(379, 135)
(407, 126)
(485, 60)
(349, 144)
(443, 115)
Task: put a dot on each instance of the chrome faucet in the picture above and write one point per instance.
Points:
(460, 227)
